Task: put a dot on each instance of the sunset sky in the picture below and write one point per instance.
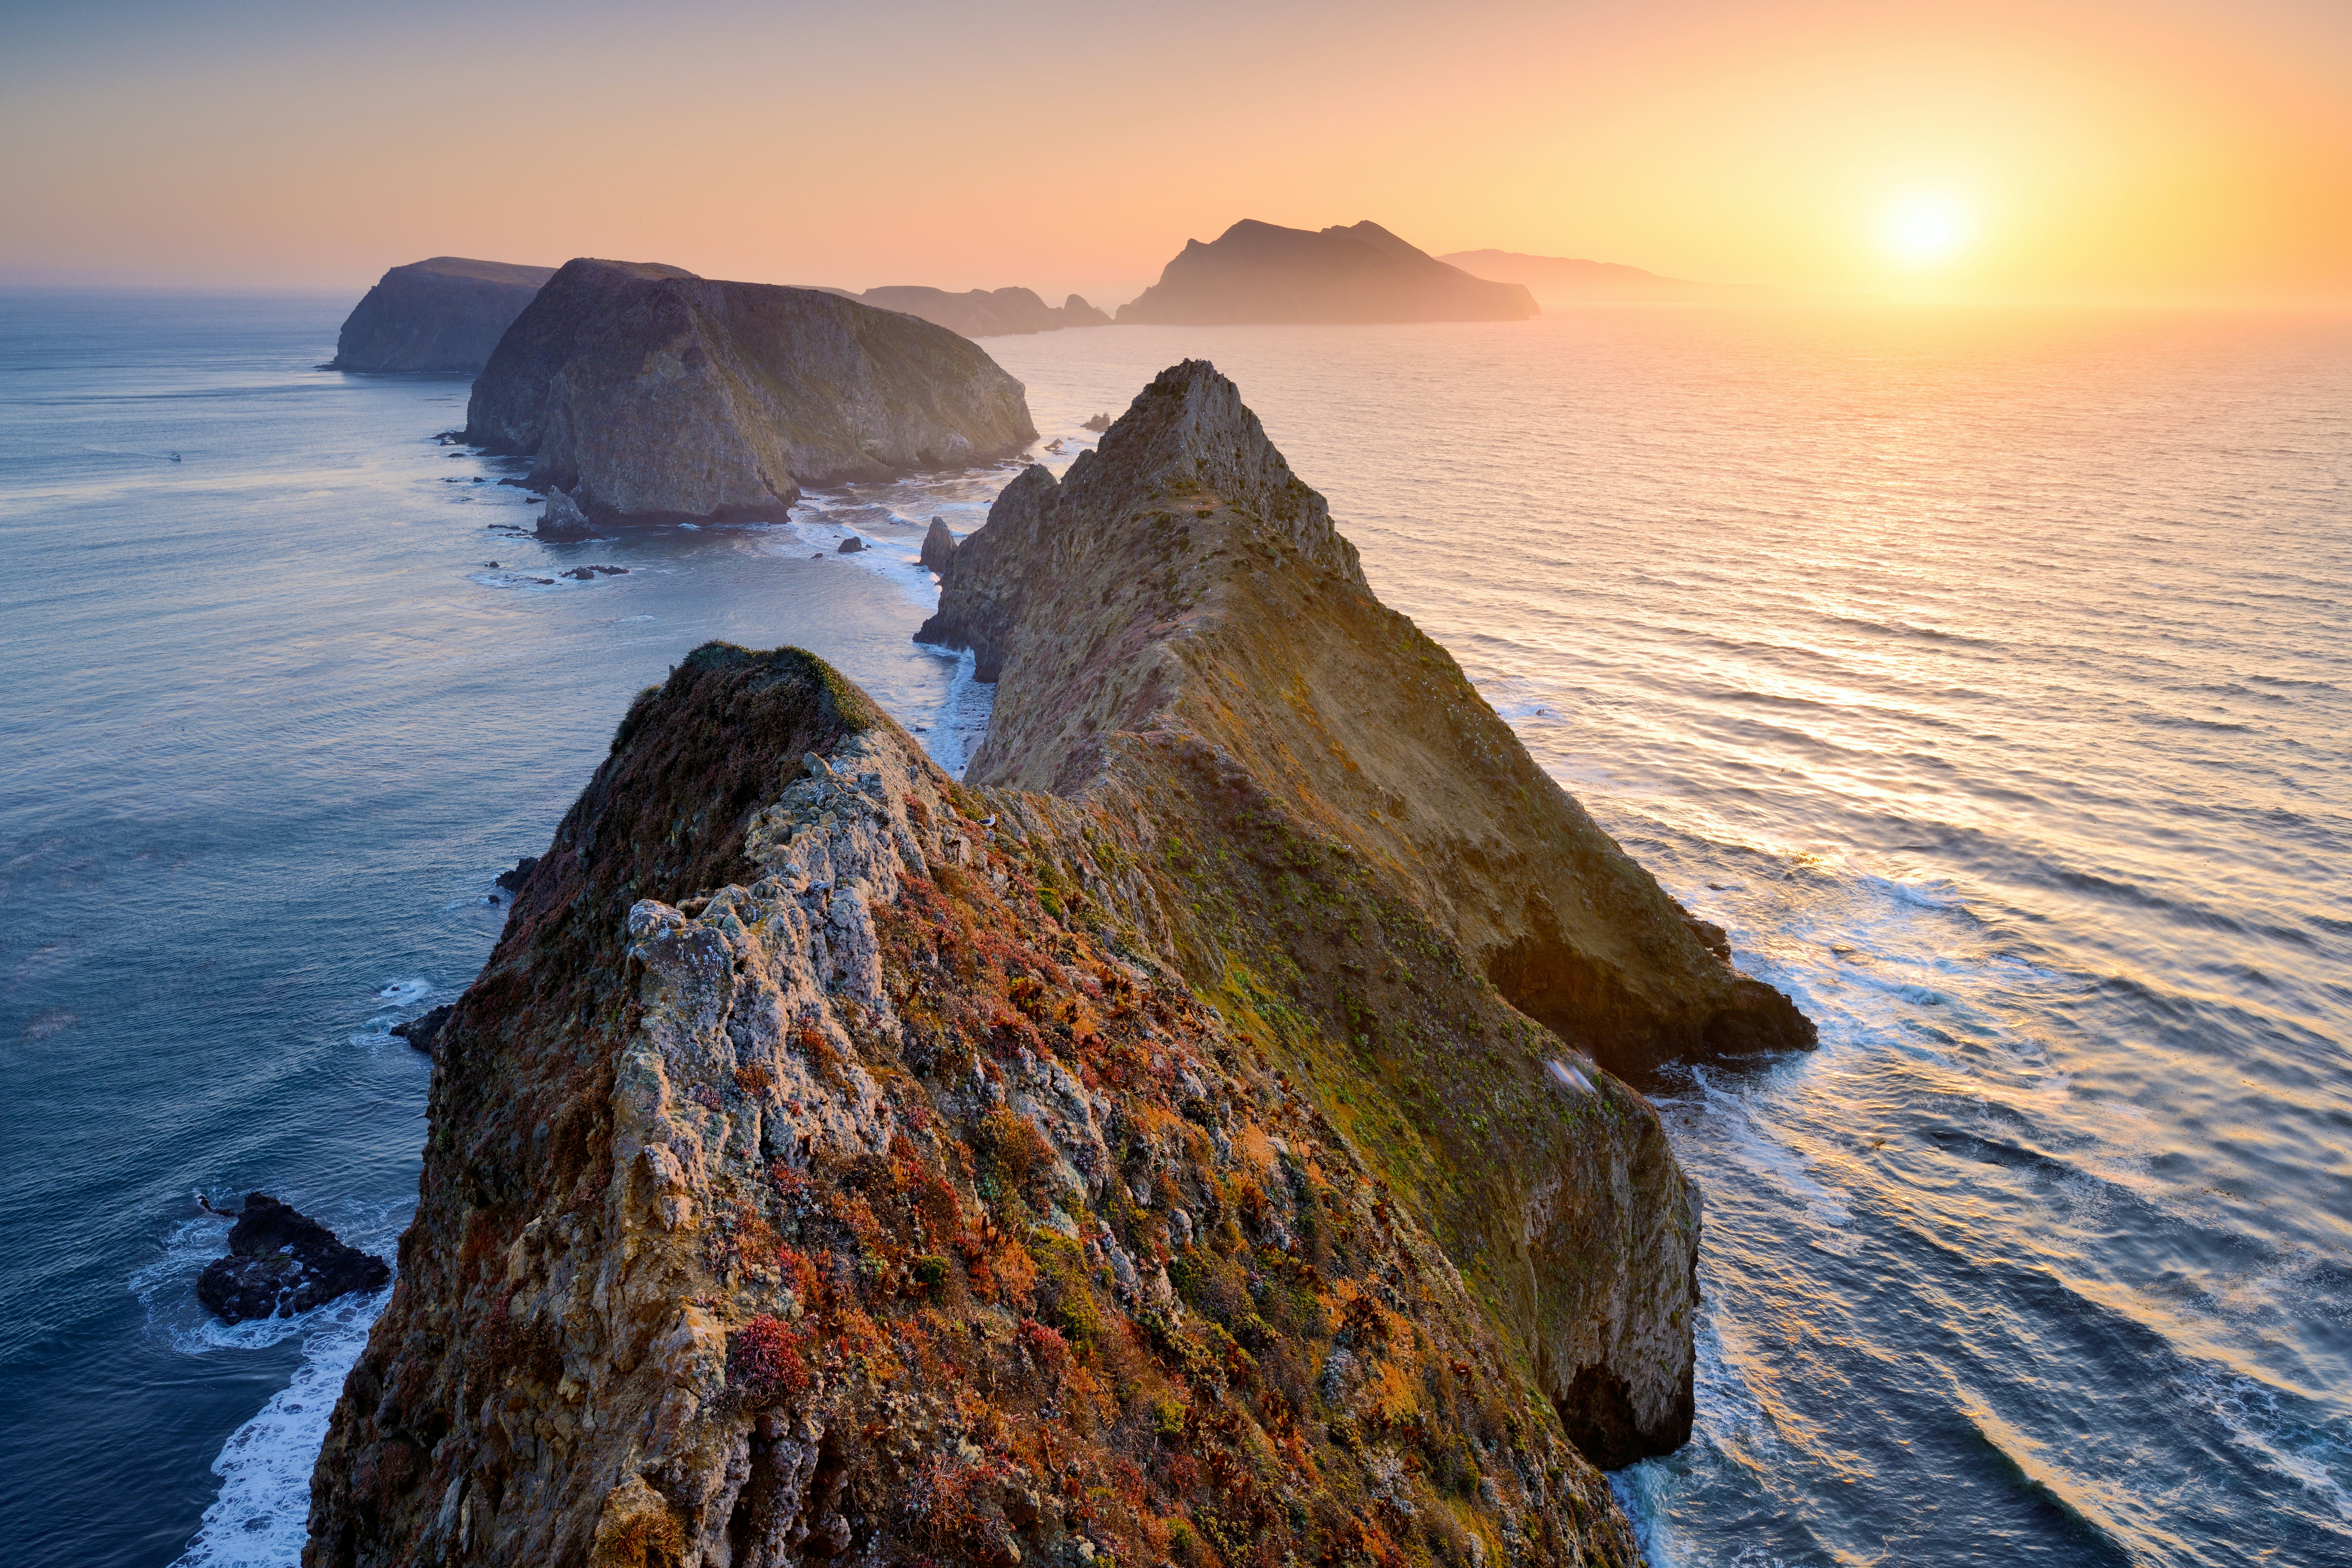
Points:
(2076, 150)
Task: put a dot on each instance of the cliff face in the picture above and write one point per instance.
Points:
(441, 314)
(985, 312)
(1261, 272)
(647, 392)
(835, 1161)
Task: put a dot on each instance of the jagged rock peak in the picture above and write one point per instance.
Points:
(1190, 431)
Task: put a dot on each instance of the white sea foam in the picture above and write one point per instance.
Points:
(961, 722)
(262, 1515)
(405, 993)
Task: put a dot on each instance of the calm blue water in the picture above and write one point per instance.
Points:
(1986, 675)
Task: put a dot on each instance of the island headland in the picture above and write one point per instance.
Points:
(1566, 280)
(1125, 1155)
(645, 394)
(1262, 272)
(986, 312)
(445, 314)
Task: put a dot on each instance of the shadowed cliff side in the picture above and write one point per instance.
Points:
(1182, 580)
(445, 314)
(644, 392)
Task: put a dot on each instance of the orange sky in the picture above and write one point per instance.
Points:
(2168, 150)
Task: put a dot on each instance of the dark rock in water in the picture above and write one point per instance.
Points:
(1262, 272)
(445, 314)
(512, 880)
(1099, 424)
(851, 545)
(423, 1032)
(939, 544)
(986, 312)
(563, 520)
(611, 571)
(282, 1262)
(651, 395)
(581, 573)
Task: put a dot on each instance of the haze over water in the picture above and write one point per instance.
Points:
(1986, 673)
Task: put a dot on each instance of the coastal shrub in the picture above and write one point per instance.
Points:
(764, 1361)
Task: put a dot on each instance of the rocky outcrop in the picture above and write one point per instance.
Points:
(987, 312)
(1181, 577)
(834, 1160)
(422, 1032)
(282, 1262)
(939, 544)
(442, 314)
(1262, 272)
(646, 393)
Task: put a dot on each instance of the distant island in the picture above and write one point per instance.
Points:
(1564, 281)
(985, 312)
(1262, 272)
(646, 393)
(445, 314)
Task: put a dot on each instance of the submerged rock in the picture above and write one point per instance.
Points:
(282, 1262)
(1262, 272)
(421, 1032)
(837, 1160)
(442, 314)
(649, 393)
(939, 544)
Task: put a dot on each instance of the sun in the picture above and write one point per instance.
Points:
(1924, 229)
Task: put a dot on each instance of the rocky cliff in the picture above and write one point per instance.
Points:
(987, 312)
(1261, 272)
(1181, 577)
(1116, 1161)
(645, 393)
(441, 314)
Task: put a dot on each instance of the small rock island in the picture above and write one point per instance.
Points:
(1262, 272)
(1192, 1139)
(646, 393)
(445, 313)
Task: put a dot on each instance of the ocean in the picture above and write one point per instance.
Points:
(1988, 675)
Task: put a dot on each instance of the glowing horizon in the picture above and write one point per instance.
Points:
(2083, 151)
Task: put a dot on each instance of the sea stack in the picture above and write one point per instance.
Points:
(1262, 272)
(838, 1161)
(442, 314)
(645, 394)
(939, 544)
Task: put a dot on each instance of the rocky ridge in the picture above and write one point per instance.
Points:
(646, 393)
(838, 1162)
(1181, 579)
(1262, 272)
(445, 314)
